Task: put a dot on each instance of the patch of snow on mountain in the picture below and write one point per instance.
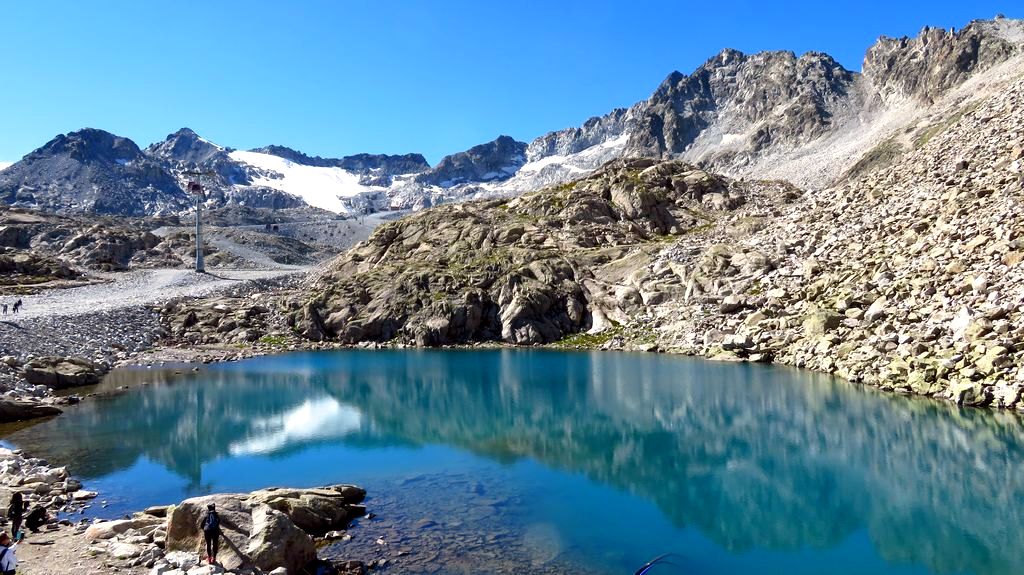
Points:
(319, 187)
(205, 141)
(556, 169)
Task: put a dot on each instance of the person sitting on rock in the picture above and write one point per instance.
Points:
(15, 512)
(36, 518)
(8, 560)
(211, 532)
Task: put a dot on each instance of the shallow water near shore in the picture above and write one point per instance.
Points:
(542, 461)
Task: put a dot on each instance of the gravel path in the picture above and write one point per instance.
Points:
(136, 288)
(109, 322)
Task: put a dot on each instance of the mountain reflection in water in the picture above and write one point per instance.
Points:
(752, 457)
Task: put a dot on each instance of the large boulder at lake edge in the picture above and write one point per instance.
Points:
(20, 410)
(265, 529)
(62, 372)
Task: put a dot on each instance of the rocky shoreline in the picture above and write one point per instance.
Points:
(271, 530)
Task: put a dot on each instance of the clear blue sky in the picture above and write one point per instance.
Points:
(334, 78)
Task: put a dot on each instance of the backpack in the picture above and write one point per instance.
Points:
(211, 522)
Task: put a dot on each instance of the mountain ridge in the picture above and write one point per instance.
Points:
(770, 114)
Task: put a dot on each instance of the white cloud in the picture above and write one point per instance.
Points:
(5, 164)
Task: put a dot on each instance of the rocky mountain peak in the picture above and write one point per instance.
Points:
(763, 99)
(91, 171)
(185, 146)
(495, 160)
(595, 131)
(89, 145)
(924, 67)
(290, 154)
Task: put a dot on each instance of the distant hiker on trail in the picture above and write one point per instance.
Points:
(4, 306)
(15, 511)
(211, 533)
(17, 305)
(8, 561)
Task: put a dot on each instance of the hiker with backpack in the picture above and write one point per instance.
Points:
(211, 533)
(8, 560)
(17, 305)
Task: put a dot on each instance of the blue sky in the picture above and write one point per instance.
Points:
(334, 78)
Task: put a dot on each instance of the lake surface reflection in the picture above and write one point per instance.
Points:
(540, 461)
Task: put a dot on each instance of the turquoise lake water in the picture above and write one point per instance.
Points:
(542, 461)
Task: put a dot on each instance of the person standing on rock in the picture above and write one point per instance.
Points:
(15, 512)
(4, 306)
(17, 305)
(211, 532)
(8, 560)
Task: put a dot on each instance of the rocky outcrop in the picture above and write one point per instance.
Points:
(62, 372)
(19, 267)
(51, 488)
(266, 529)
(924, 67)
(239, 320)
(525, 271)
(25, 409)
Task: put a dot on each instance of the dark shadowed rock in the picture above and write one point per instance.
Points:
(62, 372)
(21, 410)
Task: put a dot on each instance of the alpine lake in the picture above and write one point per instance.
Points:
(537, 461)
